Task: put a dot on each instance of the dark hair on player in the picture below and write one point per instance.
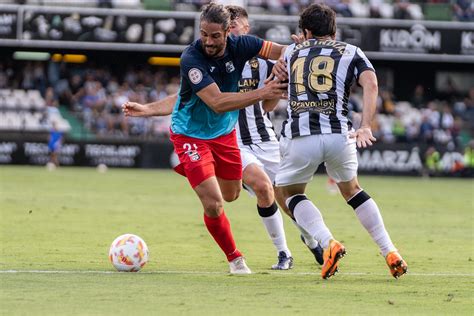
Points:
(236, 12)
(319, 19)
(216, 13)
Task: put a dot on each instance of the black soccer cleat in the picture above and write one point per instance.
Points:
(317, 252)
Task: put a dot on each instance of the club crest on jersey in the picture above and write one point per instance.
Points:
(193, 155)
(195, 75)
(253, 63)
(229, 66)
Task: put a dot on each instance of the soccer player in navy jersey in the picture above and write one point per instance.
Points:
(258, 145)
(205, 114)
(321, 71)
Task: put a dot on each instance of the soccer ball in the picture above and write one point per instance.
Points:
(128, 253)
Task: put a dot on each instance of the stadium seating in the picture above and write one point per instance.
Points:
(26, 111)
(119, 4)
(64, 3)
(358, 8)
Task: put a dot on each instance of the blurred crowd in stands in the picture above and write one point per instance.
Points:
(452, 10)
(458, 10)
(95, 95)
(447, 119)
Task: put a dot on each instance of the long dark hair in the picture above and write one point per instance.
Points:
(216, 13)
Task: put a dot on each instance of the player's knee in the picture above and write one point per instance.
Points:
(349, 189)
(350, 192)
(231, 195)
(264, 191)
(213, 207)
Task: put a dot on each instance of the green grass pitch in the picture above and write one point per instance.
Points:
(65, 220)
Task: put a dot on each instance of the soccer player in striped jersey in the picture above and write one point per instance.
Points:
(321, 71)
(259, 149)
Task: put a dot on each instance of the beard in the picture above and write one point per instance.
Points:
(212, 51)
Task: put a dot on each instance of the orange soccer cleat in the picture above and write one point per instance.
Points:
(331, 256)
(397, 265)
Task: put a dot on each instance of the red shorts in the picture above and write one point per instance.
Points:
(201, 159)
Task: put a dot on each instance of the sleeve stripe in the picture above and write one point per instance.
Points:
(266, 49)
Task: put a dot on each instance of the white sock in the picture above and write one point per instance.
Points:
(308, 239)
(274, 226)
(369, 216)
(310, 219)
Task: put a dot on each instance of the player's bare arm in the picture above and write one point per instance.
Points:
(270, 105)
(363, 135)
(161, 107)
(221, 102)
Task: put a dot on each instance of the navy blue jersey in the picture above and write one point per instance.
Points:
(191, 116)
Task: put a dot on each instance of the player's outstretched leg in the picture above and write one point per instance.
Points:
(310, 219)
(273, 222)
(258, 182)
(218, 224)
(369, 216)
(219, 228)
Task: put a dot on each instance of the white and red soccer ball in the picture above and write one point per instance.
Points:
(128, 253)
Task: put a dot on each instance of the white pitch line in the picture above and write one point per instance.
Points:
(278, 273)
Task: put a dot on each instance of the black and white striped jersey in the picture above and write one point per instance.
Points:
(254, 126)
(320, 77)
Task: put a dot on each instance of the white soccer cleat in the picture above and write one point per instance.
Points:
(284, 262)
(238, 266)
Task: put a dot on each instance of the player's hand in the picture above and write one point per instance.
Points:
(270, 78)
(279, 71)
(134, 109)
(363, 136)
(297, 39)
(275, 90)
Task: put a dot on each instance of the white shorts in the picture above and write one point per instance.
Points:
(301, 156)
(266, 155)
